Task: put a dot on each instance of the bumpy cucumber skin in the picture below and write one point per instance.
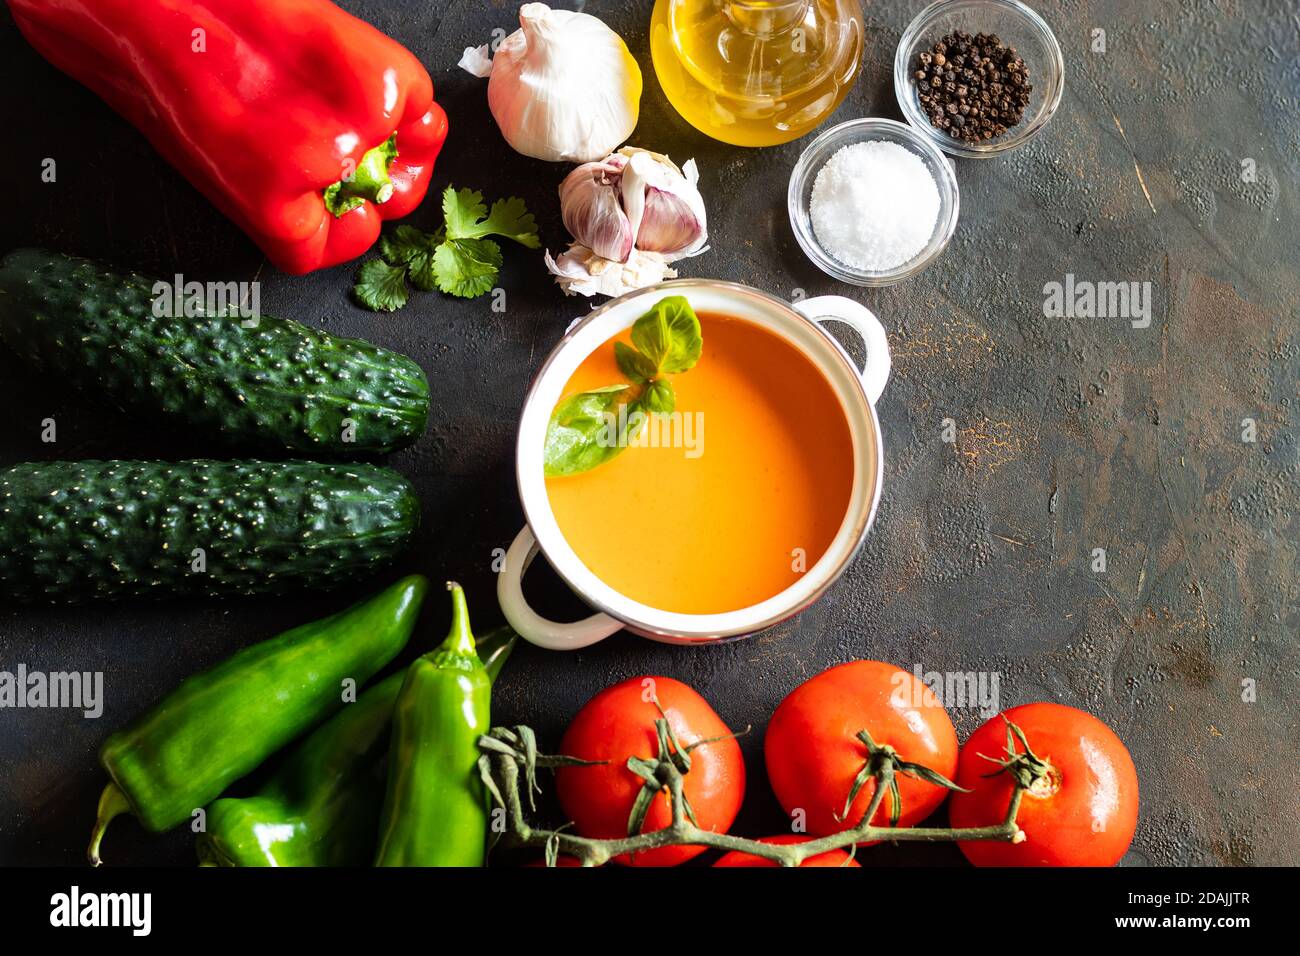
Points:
(75, 531)
(278, 386)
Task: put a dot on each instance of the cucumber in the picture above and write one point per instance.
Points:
(73, 531)
(276, 386)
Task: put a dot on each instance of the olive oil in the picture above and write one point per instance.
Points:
(756, 72)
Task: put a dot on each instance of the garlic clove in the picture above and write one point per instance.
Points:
(668, 224)
(590, 208)
(663, 204)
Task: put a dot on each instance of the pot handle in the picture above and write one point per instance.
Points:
(875, 373)
(530, 625)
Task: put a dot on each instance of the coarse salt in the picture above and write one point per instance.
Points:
(874, 205)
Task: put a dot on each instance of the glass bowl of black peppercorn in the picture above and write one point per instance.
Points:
(978, 77)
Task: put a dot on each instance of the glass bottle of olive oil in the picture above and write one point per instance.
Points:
(756, 72)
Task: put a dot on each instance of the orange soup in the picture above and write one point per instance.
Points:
(748, 484)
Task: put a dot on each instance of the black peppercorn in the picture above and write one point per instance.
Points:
(975, 87)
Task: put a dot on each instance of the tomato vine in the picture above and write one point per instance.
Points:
(510, 761)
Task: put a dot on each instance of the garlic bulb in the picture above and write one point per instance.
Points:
(563, 87)
(634, 210)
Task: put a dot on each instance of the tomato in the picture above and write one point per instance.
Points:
(813, 754)
(619, 723)
(1083, 813)
(830, 858)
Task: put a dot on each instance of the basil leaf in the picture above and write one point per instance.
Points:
(590, 428)
(669, 335)
(633, 364)
(586, 430)
(660, 398)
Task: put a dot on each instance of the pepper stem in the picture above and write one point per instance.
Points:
(112, 802)
(369, 180)
(460, 639)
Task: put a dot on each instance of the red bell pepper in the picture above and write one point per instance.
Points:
(284, 113)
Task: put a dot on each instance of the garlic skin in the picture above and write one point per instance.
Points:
(579, 271)
(563, 87)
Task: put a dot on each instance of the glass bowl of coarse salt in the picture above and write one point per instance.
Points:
(873, 202)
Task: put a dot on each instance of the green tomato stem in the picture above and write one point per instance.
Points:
(504, 764)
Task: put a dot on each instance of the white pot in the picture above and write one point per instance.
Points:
(799, 324)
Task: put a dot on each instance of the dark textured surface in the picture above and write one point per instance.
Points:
(1071, 434)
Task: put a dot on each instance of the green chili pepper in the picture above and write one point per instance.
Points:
(217, 726)
(435, 811)
(322, 807)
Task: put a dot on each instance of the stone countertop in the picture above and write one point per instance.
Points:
(1172, 161)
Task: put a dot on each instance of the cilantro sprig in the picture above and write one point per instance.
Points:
(590, 428)
(459, 259)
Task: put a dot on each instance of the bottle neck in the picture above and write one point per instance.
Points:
(766, 18)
